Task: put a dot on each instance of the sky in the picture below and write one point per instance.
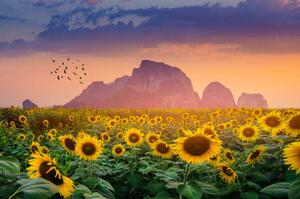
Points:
(249, 46)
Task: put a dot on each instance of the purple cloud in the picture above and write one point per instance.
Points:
(266, 26)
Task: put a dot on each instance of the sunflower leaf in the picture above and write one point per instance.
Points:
(37, 188)
(10, 165)
(279, 189)
(294, 190)
(190, 191)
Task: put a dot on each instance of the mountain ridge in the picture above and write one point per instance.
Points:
(154, 85)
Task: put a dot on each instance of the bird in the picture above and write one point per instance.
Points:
(58, 77)
(69, 78)
(68, 59)
(65, 71)
(53, 60)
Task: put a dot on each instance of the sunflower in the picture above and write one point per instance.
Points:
(68, 142)
(124, 121)
(113, 123)
(255, 155)
(71, 118)
(226, 173)
(49, 136)
(45, 123)
(22, 119)
(292, 125)
(291, 155)
(92, 119)
(158, 119)
(118, 150)
(40, 137)
(214, 160)
(196, 147)
(41, 165)
(161, 149)
(271, 123)
(53, 132)
(228, 156)
(248, 133)
(134, 137)
(44, 150)
(88, 148)
(31, 136)
(12, 124)
(105, 137)
(152, 122)
(120, 136)
(35, 147)
(22, 137)
(214, 115)
(257, 113)
(208, 131)
(151, 138)
(221, 126)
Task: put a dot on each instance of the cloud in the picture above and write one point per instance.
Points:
(255, 26)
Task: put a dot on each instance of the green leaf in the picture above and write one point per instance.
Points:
(82, 189)
(294, 190)
(253, 185)
(163, 195)
(37, 188)
(249, 195)
(190, 191)
(10, 165)
(209, 189)
(94, 195)
(279, 189)
(135, 180)
(155, 187)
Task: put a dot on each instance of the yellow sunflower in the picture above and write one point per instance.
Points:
(214, 160)
(291, 155)
(105, 137)
(118, 150)
(92, 119)
(71, 118)
(41, 165)
(151, 138)
(22, 119)
(44, 150)
(68, 142)
(53, 132)
(196, 147)
(134, 137)
(161, 149)
(49, 136)
(292, 125)
(88, 148)
(209, 131)
(31, 136)
(120, 136)
(45, 123)
(22, 137)
(35, 147)
(248, 133)
(226, 173)
(271, 123)
(228, 156)
(255, 155)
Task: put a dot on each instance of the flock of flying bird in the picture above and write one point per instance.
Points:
(73, 71)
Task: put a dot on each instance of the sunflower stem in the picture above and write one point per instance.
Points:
(89, 168)
(185, 176)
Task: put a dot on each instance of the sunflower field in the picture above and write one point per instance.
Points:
(149, 154)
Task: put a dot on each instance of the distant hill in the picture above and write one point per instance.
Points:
(154, 85)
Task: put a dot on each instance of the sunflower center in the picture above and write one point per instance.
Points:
(227, 170)
(105, 137)
(248, 132)
(134, 137)
(295, 122)
(256, 112)
(162, 148)
(229, 156)
(51, 175)
(88, 148)
(120, 135)
(196, 145)
(70, 143)
(34, 148)
(272, 121)
(208, 131)
(152, 139)
(213, 158)
(118, 150)
(255, 154)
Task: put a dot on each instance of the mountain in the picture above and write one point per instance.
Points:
(252, 101)
(152, 85)
(27, 104)
(216, 95)
(158, 85)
